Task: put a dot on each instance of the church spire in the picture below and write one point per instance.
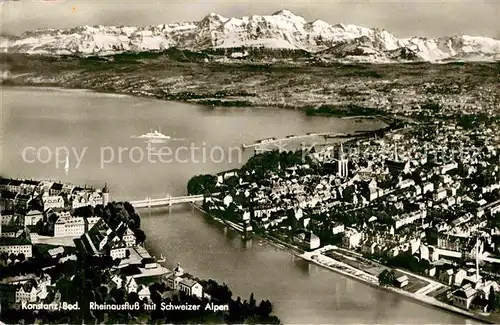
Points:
(342, 162)
(477, 257)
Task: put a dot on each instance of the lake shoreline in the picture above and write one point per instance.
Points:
(207, 102)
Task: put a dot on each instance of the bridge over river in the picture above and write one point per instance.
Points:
(166, 201)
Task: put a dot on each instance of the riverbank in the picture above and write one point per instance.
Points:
(268, 239)
(316, 257)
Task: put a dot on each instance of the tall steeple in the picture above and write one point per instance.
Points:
(342, 163)
(105, 195)
(477, 258)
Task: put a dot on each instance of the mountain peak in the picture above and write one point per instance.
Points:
(289, 16)
(285, 13)
(214, 16)
(212, 20)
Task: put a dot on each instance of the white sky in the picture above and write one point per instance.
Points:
(402, 18)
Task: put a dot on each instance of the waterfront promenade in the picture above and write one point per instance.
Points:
(317, 257)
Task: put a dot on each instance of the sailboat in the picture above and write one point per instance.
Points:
(66, 165)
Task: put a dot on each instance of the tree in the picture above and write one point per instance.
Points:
(103, 293)
(265, 308)
(64, 286)
(133, 297)
(423, 265)
(129, 208)
(491, 299)
(201, 184)
(292, 221)
(140, 236)
(135, 220)
(387, 278)
(232, 182)
(252, 301)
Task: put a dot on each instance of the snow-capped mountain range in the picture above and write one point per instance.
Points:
(281, 30)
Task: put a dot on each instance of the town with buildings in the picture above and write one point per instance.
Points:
(69, 253)
(416, 210)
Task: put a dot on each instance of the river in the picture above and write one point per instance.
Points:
(50, 121)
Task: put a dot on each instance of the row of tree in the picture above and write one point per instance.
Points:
(114, 213)
(255, 169)
(409, 262)
(11, 258)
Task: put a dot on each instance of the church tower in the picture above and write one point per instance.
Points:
(343, 163)
(178, 270)
(105, 195)
(478, 276)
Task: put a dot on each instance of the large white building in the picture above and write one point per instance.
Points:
(83, 201)
(32, 218)
(87, 197)
(408, 218)
(308, 239)
(351, 238)
(69, 226)
(16, 246)
(179, 281)
(55, 201)
(191, 288)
